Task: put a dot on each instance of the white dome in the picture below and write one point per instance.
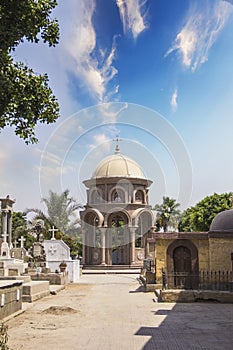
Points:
(118, 165)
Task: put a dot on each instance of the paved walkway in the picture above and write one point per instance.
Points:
(111, 312)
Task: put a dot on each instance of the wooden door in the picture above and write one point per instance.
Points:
(182, 267)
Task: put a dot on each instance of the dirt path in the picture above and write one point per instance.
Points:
(110, 312)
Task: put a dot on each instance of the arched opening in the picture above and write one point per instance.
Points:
(182, 264)
(144, 223)
(118, 224)
(139, 197)
(96, 196)
(92, 239)
(118, 196)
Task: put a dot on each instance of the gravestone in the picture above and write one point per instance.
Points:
(18, 253)
(57, 252)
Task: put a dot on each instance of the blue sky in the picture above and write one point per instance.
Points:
(159, 73)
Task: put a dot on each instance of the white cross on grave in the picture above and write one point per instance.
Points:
(22, 240)
(52, 249)
(53, 230)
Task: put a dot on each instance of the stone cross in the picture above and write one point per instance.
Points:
(52, 249)
(22, 240)
(53, 230)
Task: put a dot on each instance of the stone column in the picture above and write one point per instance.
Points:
(132, 245)
(83, 246)
(109, 246)
(5, 250)
(103, 231)
(6, 211)
(4, 221)
(9, 228)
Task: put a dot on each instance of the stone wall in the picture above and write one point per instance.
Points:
(161, 253)
(188, 296)
(53, 278)
(10, 297)
(220, 250)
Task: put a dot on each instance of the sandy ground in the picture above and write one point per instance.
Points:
(112, 312)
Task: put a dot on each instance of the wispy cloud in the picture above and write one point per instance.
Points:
(132, 16)
(199, 34)
(230, 1)
(173, 101)
(94, 66)
(101, 139)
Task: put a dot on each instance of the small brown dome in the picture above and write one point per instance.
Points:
(223, 222)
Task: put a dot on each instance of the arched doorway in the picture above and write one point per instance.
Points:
(92, 238)
(182, 265)
(119, 233)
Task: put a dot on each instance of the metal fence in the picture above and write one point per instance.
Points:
(148, 265)
(204, 280)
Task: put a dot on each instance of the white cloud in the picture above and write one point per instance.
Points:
(101, 138)
(199, 34)
(110, 111)
(131, 16)
(82, 46)
(174, 100)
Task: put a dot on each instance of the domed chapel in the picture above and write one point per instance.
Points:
(118, 228)
(117, 217)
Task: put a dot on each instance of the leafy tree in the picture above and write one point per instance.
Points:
(74, 242)
(199, 217)
(167, 214)
(61, 210)
(20, 228)
(25, 97)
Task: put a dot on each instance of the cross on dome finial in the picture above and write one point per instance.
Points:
(117, 149)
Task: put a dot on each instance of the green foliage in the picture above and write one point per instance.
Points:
(61, 208)
(74, 243)
(167, 214)
(61, 212)
(25, 97)
(199, 217)
(20, 228)
(3, 337)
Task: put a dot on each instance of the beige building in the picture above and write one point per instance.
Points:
(117, 216)
(189, 253)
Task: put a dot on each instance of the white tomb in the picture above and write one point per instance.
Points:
(58, 251)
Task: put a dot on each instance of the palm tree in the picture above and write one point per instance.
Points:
(167, 213)
(61, 212)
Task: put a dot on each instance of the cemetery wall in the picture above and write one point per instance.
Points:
(220, 250)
